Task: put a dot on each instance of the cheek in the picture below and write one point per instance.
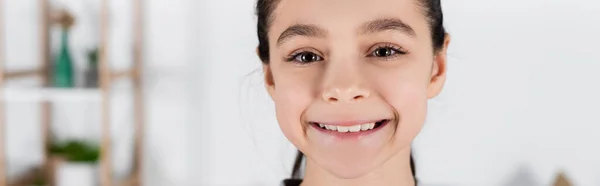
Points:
(407, 94)
(291, 100)
(411, 105)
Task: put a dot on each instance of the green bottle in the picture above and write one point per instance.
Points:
(63, 66)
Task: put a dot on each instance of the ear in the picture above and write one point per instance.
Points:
(269, 83)
(438, 71)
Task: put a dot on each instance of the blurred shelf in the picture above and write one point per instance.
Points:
(122, 74)
(28, 178)
(38, 72)
(129, 181)
(106, 76)
(15, 94)
(22, 73)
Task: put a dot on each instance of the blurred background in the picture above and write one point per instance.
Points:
(520, 106)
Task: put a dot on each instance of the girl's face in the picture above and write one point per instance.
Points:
(350, 79)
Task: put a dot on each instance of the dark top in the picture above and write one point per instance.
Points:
(296, 182)
(292, 182)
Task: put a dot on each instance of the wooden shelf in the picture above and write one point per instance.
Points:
(28, 178)
(51, 94)
(122, 74)
(22, 73)
(36, 72)
(36, 173)
(105, 78)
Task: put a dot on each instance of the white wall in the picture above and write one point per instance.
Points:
(237, 139)
(521, 97)
(166, 71)
(520, 103)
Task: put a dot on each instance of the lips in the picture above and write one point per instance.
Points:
(353, 128)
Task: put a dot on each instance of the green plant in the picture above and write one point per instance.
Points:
(39, 181)
(93, 56)
(76, 151)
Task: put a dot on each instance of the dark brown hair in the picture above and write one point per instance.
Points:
(264, 10)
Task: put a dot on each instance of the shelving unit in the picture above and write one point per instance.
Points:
(46, 96)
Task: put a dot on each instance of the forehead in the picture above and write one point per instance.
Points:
(339, 16)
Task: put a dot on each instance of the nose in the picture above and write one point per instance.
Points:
(348, 95)
(343, 81)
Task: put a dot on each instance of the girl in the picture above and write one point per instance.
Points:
(350, 80)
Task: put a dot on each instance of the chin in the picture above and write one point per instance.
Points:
(346, 172)
(341, 168)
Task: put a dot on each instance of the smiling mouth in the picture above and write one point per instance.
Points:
(353, 128)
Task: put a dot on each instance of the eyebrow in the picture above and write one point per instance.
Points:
(380, 25)
(301, 30)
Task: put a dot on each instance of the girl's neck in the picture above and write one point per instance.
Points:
(394, 172)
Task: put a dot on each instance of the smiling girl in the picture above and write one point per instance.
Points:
(350, 80)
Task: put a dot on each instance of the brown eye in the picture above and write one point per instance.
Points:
(307, 57)
(384, 52)
(387, 52)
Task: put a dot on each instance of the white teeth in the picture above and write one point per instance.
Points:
(365, 126)
(354, 128)
(330, 127)
(343, 129)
